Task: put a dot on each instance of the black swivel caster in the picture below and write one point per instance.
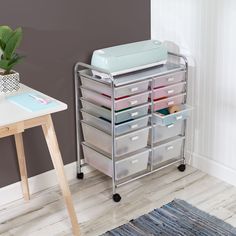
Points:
(80, 175)
(116, 197)
(182, 167)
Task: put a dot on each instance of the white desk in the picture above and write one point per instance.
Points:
(13, 121)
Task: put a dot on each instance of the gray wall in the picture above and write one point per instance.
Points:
(57, 33)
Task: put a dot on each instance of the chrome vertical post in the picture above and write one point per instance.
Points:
(113, 135)
(77, 116)
(152, 123)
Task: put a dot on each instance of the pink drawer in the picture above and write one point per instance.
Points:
(169, 79)
(120, 104)
(168, 102)
(169, 91)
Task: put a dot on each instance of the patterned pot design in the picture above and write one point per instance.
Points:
(9, 83)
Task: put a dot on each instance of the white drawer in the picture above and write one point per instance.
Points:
(167, 151)
(119, 91)
(169, 79)
(120, 129)
(131, 89)
(124, 144)
(124, 168)
(121, 116)
(163, 120)
(96, 109)
(132, 165)
(168, 102)
(169, 91)
(120, 104)
(161, 133)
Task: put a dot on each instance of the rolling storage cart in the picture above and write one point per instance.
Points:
(120, 130)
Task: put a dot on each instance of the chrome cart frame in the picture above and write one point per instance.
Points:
(79, 139)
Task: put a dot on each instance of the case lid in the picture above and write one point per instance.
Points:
(130, 57)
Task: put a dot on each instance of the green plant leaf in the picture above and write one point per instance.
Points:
(13, 43)
(2, 45)
(4, 64)
(12, 63)
(5, 33)
(15, 59)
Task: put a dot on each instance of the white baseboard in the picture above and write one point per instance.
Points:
(38, 183)
(214, 168)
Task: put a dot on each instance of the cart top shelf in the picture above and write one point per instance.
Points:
(137, 75)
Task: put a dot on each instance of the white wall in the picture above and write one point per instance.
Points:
(206, 29)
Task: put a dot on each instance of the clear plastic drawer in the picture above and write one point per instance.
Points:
(132, 113)
(164, 120)
(96, 122)
(132, 125)
(120, 116)
(119, 91)
(124, 168)
(169, 91)
(119, 129)
(95, 109)
(169, 79)
(167, 151)
(120, 104)
(132, 165)
(168, 102)
(161, 133)
(124, 144)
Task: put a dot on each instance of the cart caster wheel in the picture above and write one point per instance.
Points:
(182, 167)
(116, 197)
(80, 175)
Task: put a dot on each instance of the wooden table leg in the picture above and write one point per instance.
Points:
(22, 165)
(55, 153)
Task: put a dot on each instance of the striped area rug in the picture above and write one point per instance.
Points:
(177, 218)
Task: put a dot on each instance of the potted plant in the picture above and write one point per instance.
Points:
(9, 42)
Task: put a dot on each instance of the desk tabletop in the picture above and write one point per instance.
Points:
(11, 113)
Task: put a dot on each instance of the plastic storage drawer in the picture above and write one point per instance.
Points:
(169, 79)
(119, 104)
(121, 116)
(124, 168)
(168, 102)
(124, 144)
(119, 91)
(167, 151)
(164, 120)
(119, 129)
(169, 90)
(161, 133)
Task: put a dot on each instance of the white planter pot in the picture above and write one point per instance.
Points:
(9, 83)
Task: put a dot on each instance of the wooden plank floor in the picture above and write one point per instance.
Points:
(45, 214)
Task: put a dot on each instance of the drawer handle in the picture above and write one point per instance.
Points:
(170, 91)
(134, 138)
(170, 126)
(170, 79)
(171, 103)
(134, 89)
(134, 161)
(169, 148)
(179, 117)
(133, 102)
(134, 114)
(134, 126)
